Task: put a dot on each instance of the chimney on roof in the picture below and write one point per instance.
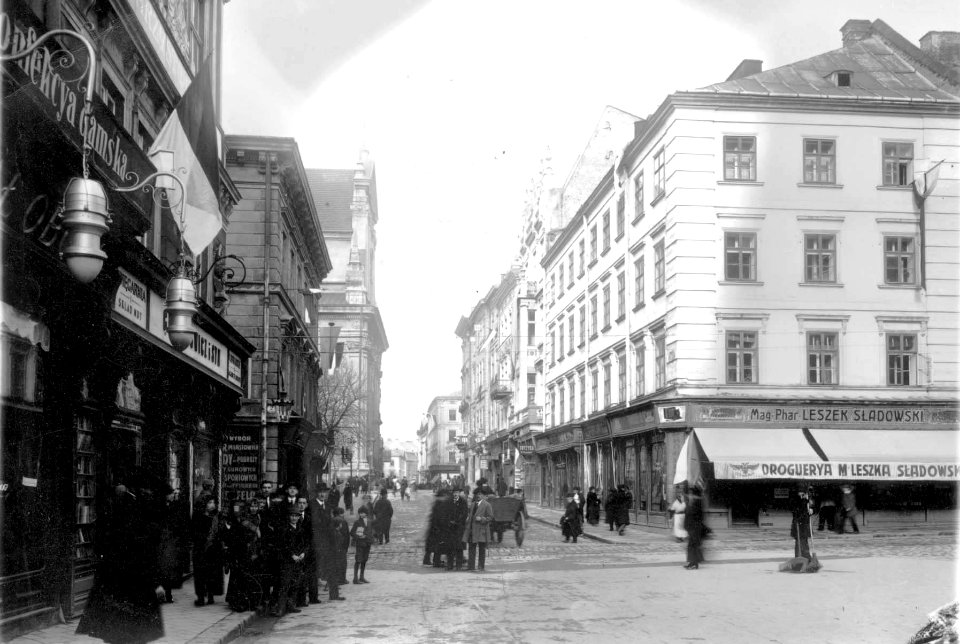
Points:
(747, 67)
(944, 46)
(855, 31)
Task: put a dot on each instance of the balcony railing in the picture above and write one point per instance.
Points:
(501, 388)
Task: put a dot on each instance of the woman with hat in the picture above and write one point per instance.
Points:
(571, 523)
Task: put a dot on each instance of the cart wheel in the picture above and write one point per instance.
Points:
(518, 532)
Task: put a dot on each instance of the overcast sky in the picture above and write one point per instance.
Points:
(459, 101)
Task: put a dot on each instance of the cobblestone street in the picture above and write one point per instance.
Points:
(872, 589)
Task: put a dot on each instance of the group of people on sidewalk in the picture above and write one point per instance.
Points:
(276, 548)
(579, 508)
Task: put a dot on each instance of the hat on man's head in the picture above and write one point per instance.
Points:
(362, 511)
(293, 511)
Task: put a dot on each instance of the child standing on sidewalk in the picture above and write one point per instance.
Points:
(360, 533)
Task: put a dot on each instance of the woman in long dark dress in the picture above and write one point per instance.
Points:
(242, 551)
(572, 525)
(693, 524)
(174, 537)
(208, 556)
(123, 607)
(593, 506)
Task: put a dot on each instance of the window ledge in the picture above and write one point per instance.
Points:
(896, 188)
(618, 237)
(638, 307)
(605, 329)
(582, 344)
(636, 219)
(620, 319)
(570, 284)
(658, 198)
(822, 284)
(592, 262)
(593, 336)
(740, 283)
(580, 274)
(658, 294)
(604, 251)
(899, 287)
(739, 182)
(820, 185)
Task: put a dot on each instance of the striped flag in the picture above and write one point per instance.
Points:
(190, 136)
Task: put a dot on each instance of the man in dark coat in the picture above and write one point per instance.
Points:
(383, 513)
(571, 523)
(123, 606)
(801, 508)
(324, 545)
(624, 504)
(693, 524)
(291, 553)
(348, 497)
(461, 511)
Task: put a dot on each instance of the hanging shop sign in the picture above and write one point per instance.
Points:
(832, 415)
(525, 448)
(52, 86)
(234, 369)
(851, 471)
(241, 462)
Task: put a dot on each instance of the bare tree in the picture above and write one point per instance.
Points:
(339, 404)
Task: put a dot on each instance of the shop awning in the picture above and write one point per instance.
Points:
(820, 454)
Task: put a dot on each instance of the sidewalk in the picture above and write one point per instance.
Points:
(637, 534)
(183, 623)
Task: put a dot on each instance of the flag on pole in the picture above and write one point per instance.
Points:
(190, 136)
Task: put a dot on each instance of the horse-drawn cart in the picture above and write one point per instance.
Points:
(509, 513)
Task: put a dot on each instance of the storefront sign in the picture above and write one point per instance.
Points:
(207, 351)
(241, 463)
(525, 448)
(483, 464)
(631, 423)
(596, 430)
(57, 90)
(837, 470)
(830, 414)
(131, 299)
(234, 369)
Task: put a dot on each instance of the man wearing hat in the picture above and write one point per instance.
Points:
(801, 509)
(383, 511)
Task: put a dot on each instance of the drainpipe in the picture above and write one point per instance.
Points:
(265, 358)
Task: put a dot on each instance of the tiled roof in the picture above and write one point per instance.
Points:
(884, 65)
(332, 194)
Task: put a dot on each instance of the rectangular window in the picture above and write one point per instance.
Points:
(659, 176)
(113, 98)
(570, 331)
(553, 288)
(452, 434)
(897, 164)
(819, 161)
(659, 279)
(561, 411)
(741, 357)
(621, 376)
(593, 244)
(560, 338)
(606, 230)
(572, 394)
(531, 328)
(531, 389)
(740, 252)
(660, 361)
(641, 367)
(901, 359)
(823, 358)
(560, 281)
(899, 259)
(621, 214)
(583, 325)
(606, 384)
(553, 407)
(553, 347)
(583, 394)
(593, 316)
(740, 158)
(820, 256)
(606, 306)
(583, 257)
(621, 295)
(452, 415)
(570, 268)
(638, 280)
(638, 195)
(594, 386)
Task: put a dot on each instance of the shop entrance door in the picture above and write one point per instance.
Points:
(746, 499)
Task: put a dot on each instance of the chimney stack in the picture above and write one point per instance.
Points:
(943, 46)
(855, 31)
(747, 67)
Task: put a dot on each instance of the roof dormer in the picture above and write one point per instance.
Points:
(841, 78)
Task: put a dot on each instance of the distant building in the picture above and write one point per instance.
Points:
(440, 430)
(346, 202)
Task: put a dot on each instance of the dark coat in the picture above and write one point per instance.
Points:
(593, 507)
(123, 605)
(333, 498)
(347, 497)
(693, 520)
(571, 522)
(174, 541)
(443, 525)
(208, 553)
(324, 540)
(610, 506)
(383, 513)
(624, 505)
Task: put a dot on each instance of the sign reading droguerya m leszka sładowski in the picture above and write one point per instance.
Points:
(837, 470)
